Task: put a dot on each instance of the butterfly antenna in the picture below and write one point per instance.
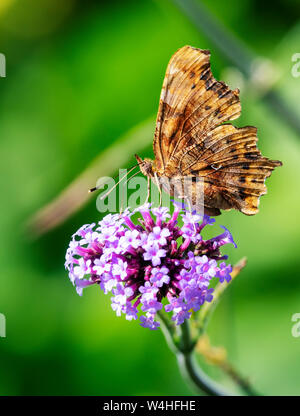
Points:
(132, 176)
(96, 187)
(124, 176)
(128, 179)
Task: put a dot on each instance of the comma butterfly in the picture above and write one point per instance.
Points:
(191, 139)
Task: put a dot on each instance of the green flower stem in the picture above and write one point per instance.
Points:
(182, 344)
(190, 371)
(183, 349)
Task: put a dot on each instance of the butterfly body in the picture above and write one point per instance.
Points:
(192, 141)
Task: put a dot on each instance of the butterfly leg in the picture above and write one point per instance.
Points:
(190, 208)
(159, 188)
(148, 190)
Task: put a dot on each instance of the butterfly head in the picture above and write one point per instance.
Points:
(146, 166)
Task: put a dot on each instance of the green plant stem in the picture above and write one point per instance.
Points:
(196, 378)
(190, 371)
(183, 345)
(183, 350)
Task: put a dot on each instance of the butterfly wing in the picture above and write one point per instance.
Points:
(192, 102)
(231, 166)
(190, 139)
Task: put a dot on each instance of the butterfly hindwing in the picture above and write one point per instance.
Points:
(232, 166)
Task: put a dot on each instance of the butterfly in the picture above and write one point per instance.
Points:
(192, 141)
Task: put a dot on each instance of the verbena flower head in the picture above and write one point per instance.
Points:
(151, 263)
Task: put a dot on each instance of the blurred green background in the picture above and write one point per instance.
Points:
(79, 76)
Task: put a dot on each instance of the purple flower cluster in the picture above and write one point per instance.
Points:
(151, 263)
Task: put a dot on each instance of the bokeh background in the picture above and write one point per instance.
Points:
(80, 77)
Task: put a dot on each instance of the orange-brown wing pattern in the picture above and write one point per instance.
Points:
(192, 103)
(190, 139)
(233, 169)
